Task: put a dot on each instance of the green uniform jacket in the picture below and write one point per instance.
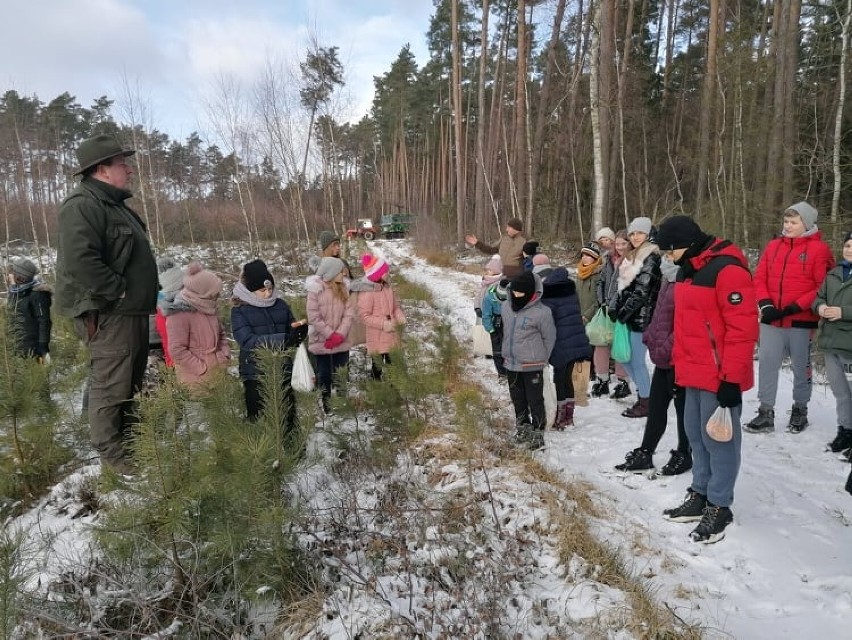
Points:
(834, 292)
(587, 294)
(103, 253)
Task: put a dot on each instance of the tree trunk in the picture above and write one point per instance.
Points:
(791, 67)
(521, 159)
(838, 118)
(708, 104)
(600, 84)
(457, 118)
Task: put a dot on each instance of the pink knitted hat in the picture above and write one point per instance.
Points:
(374, 267)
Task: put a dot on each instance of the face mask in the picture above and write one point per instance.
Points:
(519, 303)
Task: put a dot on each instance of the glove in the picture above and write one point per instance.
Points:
(334, 341)
(612, 314)
(297, 335)
(791, 309)
(729, 394)
(770, 314)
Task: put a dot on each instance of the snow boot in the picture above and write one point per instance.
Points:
(522, 433)
(692, 509)
(764, 422)
(564, 415)
(842, 441)
(638, 410)
(637, 461)
(712, 526)
(621, 390)
(680, 462)
(600, 388)
(798, 419)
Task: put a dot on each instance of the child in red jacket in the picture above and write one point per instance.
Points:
(791, 269)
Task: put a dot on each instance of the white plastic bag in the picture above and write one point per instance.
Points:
(719, 427)
(481, 341)
(549, 397)
(303, 373)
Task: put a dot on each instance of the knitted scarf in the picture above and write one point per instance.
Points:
(587, 270)
(249, 297)
(20, 288)
(206, 306)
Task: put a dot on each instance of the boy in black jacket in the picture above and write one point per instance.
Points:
(29, 310)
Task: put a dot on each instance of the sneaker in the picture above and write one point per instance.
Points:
(692, 509)
(712, 526)
(798, 419)
(621, 390)
(522, 433)
(680, 462)
(636, 461)
(764, 422)
(600, 388)
(842, 441)
(535, 440)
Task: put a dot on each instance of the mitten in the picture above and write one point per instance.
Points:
(729, 394)
(334, 341)
(297, 335)
(770, 314)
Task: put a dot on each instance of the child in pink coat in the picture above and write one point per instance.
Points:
(330, 315)
(380, 312)
(196, 336)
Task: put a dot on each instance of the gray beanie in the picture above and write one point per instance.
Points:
(326, 238)
(329, 268)
(23, 268)
(806, 212)
(164, 263)
(641, 224)
(171, 280)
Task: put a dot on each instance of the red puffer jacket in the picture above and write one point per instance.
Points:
(715, 321)
(789, 272)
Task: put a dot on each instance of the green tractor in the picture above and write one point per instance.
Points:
(396, 225)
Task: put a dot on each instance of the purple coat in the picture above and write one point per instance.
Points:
(659, 336)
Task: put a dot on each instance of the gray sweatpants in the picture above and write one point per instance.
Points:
(775, 343)
(118, 352)
(838, 369)
(715, 465)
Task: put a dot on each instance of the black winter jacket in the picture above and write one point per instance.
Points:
(29, 312)
(560, 296)
(638, 286)
(257, 327)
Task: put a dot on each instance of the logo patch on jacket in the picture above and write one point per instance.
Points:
(735, 297)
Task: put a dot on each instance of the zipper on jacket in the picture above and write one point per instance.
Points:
(713, 345)
(781, 281)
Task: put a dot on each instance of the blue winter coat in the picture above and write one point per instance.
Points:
(560, 295)
(491, 310)
(257, 327)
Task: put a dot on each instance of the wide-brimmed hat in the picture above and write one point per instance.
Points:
(95, 150)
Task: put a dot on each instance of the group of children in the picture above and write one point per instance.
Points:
(192, 339)
(687, 300)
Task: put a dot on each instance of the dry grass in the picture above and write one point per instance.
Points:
(438, 257)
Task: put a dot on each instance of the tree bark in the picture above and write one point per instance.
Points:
(457, 119)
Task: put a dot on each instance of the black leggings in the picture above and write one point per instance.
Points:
(663, 390)
(564, 382)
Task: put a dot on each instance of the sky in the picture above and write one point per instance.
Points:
(171, 53)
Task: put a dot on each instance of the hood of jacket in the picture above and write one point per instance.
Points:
(630, 267)
(558, 284)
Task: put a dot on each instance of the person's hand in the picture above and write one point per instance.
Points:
(45, 359)
(770, 314)
(471, 239)
(830, 313)
(729, 394)
(612, 314)
(791, 309)
(334, 341)
(297, 335)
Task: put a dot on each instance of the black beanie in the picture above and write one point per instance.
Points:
(524, 283)
(256, 275)
(680, 232)
(530, 248)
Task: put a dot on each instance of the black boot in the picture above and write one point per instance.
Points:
(621, 390)
(600, 388)
(637, 461)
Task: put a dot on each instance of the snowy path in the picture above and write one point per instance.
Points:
(785, 567)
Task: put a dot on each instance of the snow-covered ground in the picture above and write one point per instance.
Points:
(783, 571)
(785, 567)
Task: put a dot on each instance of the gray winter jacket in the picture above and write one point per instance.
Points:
(528, 334)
